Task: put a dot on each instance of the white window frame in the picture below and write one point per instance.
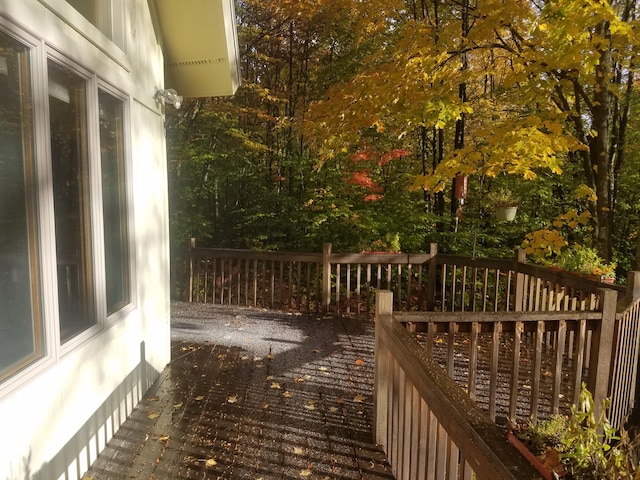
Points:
(115, 44)
(128, 173)
(53, 349)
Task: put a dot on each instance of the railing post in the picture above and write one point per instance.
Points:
(633, 287)
(326, 276)
(192, 245)
(521, 257)
(431, 280)
(601, 349)
(381, 371)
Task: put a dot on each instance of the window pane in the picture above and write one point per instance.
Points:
(68, 124)
(114, 202)
(20, 327)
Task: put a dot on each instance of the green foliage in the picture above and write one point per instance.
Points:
(347, 119)
(589, 442)
(503, 197)
(588, 446)
(550, 433)
(586, 261)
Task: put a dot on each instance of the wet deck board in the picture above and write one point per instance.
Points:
(252, 394)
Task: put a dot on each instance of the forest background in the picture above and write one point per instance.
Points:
(386, 125)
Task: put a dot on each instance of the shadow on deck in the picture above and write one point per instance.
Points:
(254, 394)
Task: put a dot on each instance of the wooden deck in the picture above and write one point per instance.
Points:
(252, 394)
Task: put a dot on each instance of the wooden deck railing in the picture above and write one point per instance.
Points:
(470, 340)
(562, 323)
(427, 425)
(337, 282)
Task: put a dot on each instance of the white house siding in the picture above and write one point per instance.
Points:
(59, 412)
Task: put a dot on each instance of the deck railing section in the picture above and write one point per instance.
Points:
(342, 283)
(462, 284)
(519, 365)
(545, 331)
(426, 424)
(626, 347)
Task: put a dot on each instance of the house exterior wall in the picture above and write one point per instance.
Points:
(59, 411)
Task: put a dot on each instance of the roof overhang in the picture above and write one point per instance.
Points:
(200, 46)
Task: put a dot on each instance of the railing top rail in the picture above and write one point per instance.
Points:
(200, 252)
(382, 258)
(483, 442)
(566, 278)
(556, 276)
(492, 317)
(501, 263)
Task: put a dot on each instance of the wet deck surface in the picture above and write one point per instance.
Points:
(254, 394)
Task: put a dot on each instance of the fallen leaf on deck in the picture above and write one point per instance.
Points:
(232, 399)
(178, 405)
(333, 409)
(323, 369)
(270, 357)
(311, 405)
(275, 385)
(305, 473)
(265, 406)
(359, 362)
(316, 351)
(164, 438)
(210, 462)
(287, 394)
(199, 397)
(299, 380)
(358, 398)
(153, 399)
(297, 450)
(153, 415)
(257, 359)
(269, 377)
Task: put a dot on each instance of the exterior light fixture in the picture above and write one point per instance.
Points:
(169, 96)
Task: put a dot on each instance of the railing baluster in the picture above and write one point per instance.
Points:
(493, 375)
(348, 267)
(537, 363)
(515, 371)
(473, 359)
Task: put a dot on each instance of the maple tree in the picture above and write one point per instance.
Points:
(355, 116)
(539, 84)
